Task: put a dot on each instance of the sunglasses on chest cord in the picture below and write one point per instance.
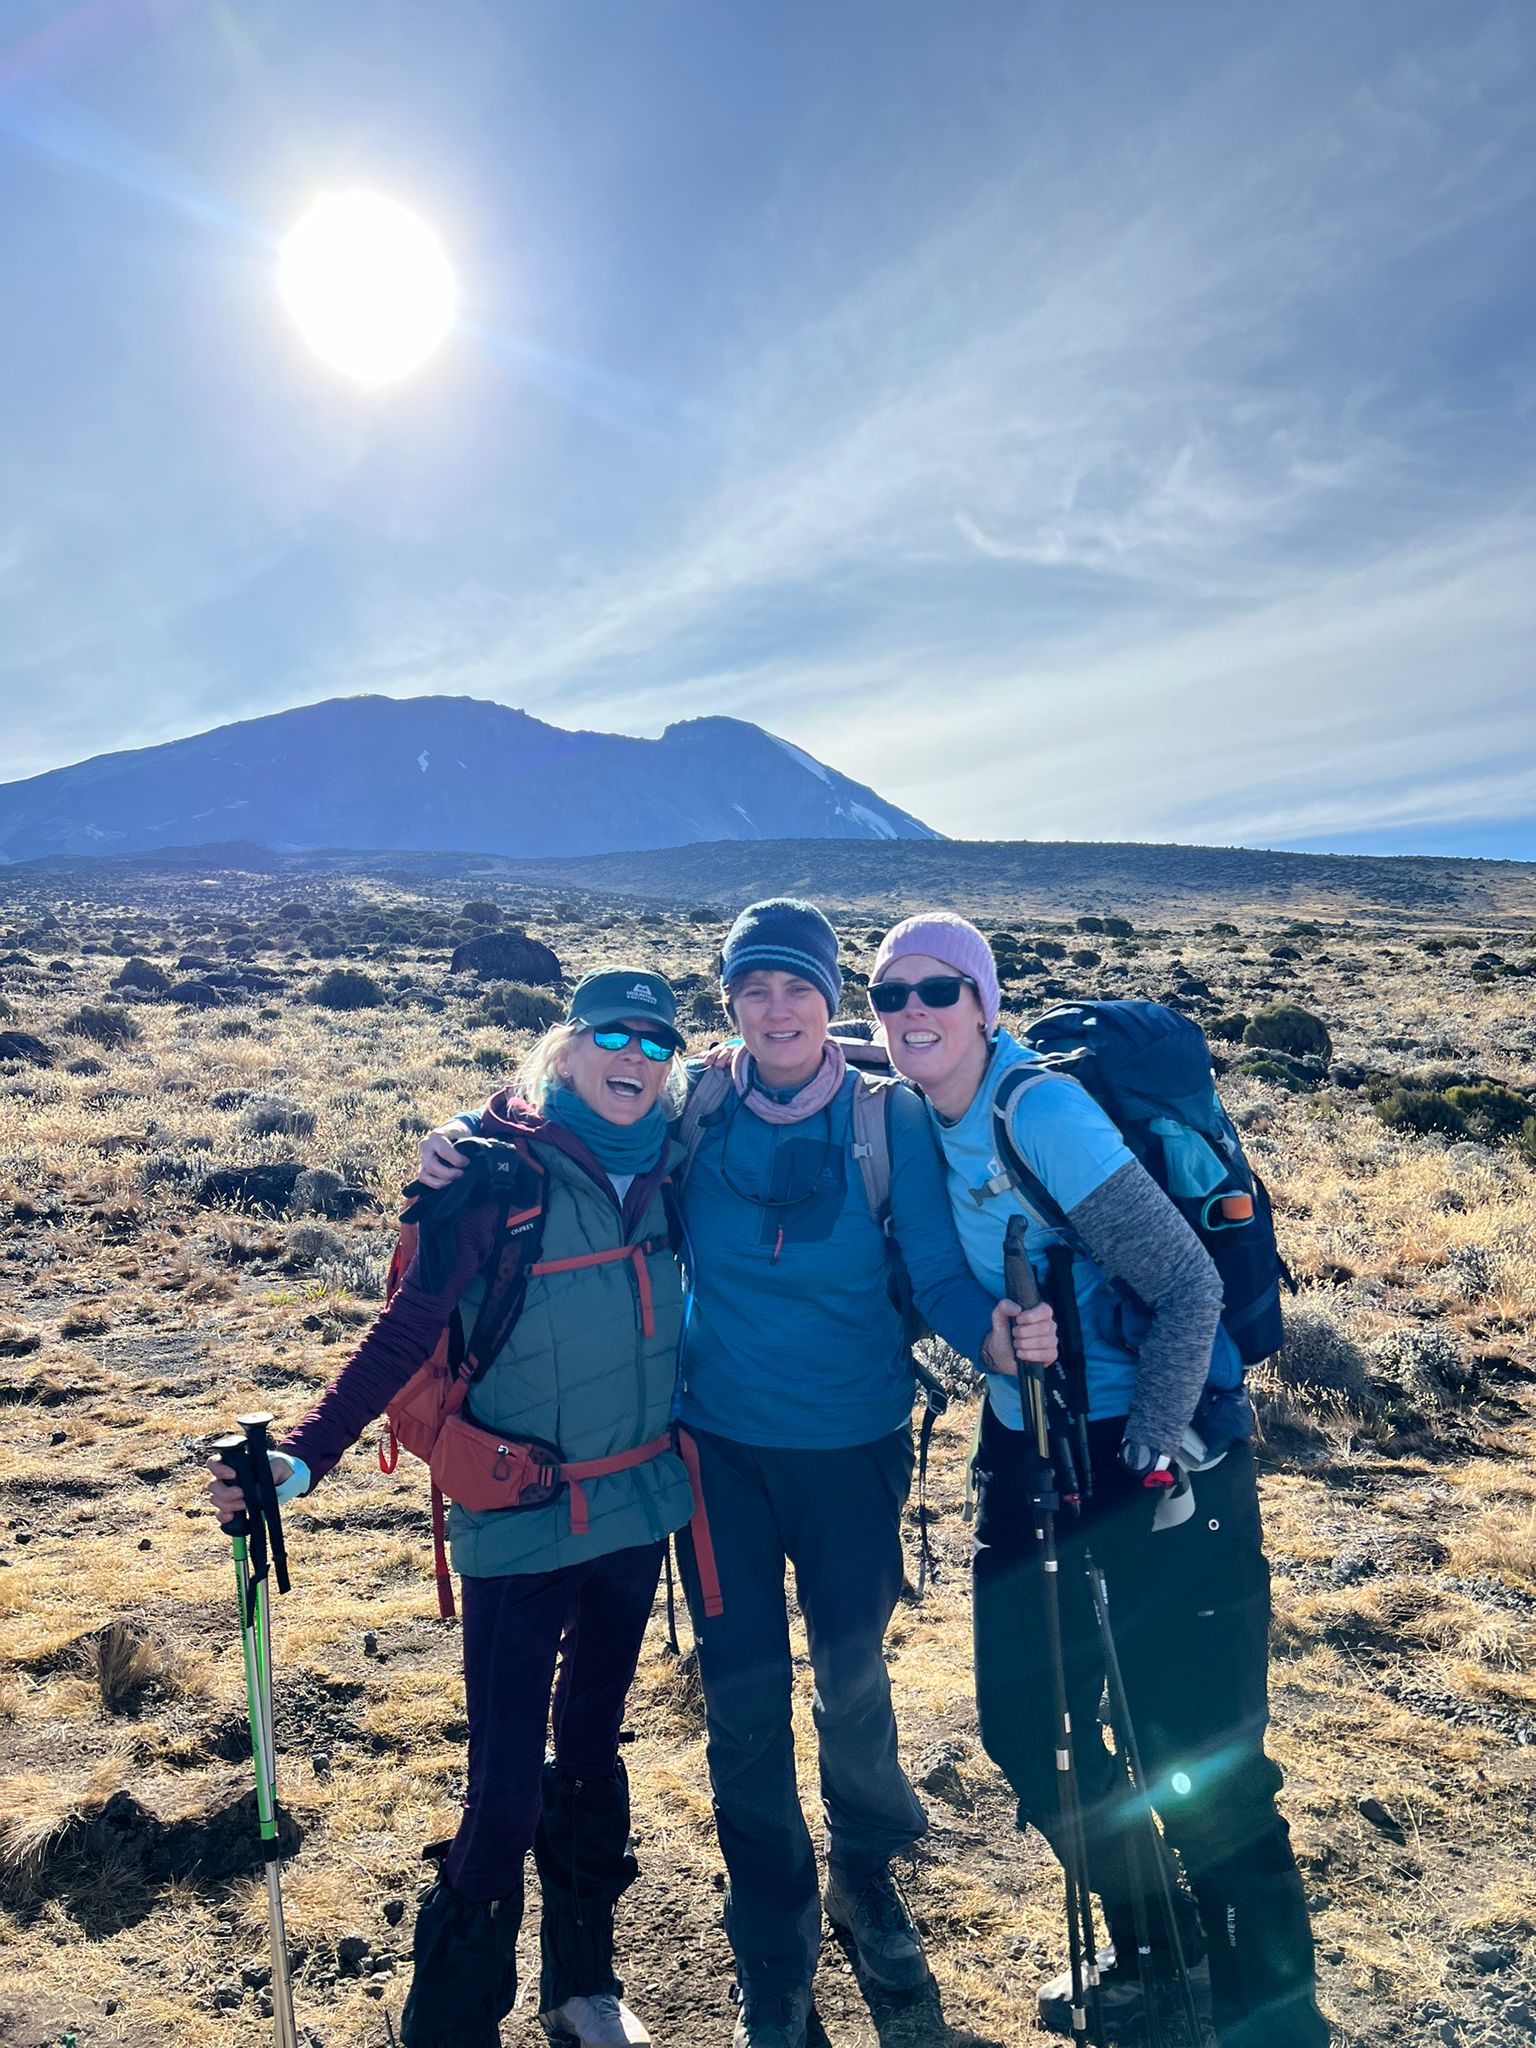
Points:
(937, 992)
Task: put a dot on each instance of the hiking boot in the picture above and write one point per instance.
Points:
(1122, 1998)
(600, 2022)
(772, 2018)
(875, 1919)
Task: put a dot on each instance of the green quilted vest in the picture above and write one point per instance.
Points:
(580, 1372)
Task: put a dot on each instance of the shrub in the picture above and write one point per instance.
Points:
(105, 1026)
(1089, 924)
(518, 1007)
(1426, 1361)
(308, 1242)
(1318, 1354)
(1050, 949)
(1286, 1027)
(267, 1116)
(1118, 927)
(347, 988)
(140, 973)
(296, 913)
(482, 913)
(1228, 1029)
(1086, 957)
(1421, 1109)
(1492, 1113)
(1223, 930)
(1432, 946)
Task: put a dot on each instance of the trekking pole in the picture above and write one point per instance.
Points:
(255, 1558)
(1124, 1729)
(1082, 1954)
(1063, 1295)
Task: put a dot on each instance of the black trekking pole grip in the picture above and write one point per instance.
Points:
(1018, 1273)
(235, 1452)
(265, 1504)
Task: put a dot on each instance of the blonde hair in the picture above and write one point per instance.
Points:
(542, 1069)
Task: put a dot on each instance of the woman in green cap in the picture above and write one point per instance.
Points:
(589, 1365)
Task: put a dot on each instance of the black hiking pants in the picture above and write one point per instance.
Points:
(836, 1517)
(573, 1812)
(1190, 1611)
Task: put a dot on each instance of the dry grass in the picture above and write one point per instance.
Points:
(135, 1322)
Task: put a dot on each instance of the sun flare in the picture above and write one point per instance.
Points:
(368, 284)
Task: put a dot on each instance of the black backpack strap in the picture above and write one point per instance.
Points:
(1018, 1172)
(518, 1242)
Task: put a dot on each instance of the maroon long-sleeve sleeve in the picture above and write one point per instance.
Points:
(398, 1343)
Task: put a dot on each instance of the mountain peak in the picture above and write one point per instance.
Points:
(442, 775)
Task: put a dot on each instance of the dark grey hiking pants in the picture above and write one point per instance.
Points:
(1190, 1612)
(836, 1517)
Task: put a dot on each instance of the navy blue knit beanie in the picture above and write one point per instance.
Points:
(789, 935)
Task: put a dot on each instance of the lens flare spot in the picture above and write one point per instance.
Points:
(1182, 1783)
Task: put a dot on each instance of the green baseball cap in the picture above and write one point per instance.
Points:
(626, 995)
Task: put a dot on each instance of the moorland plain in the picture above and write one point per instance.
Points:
(199, 1168)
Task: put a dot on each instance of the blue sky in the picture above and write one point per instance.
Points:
(1083, 420)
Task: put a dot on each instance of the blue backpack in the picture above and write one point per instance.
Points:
(1149, 1070)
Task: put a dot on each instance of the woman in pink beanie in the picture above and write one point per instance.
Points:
(1192, 1600)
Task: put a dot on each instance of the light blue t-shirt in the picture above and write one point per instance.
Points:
(1073, 1147)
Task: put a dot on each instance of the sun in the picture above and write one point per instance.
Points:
(368, 284)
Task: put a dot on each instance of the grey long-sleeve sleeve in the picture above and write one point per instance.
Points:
(1131, 1229)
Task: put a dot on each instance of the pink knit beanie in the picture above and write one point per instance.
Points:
(943, 936)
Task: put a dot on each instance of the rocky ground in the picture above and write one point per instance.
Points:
(199, 1159)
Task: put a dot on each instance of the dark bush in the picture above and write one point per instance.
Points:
(346, 988)
(1422, 1110)
(1086, 957)
(106, 1026)
(519, 1007)
(1050, 949)
(1223, 930)
(1431, 945)
(142, 974)
(1228, 1029)
(1118, 928)
(1288, 1028)
(296, 913)
(482, 913)
(1492, 1113)
(1088, 924)
(22, 1045)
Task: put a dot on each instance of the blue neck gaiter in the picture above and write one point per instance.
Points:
(617, 1148)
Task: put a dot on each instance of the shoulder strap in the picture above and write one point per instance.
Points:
(1026, 1183)
(706, 1099)
(872, 1142)
(517, 1245)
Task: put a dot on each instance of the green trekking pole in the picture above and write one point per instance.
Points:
(255, 1558)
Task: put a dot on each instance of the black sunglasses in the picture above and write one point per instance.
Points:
(937, 992)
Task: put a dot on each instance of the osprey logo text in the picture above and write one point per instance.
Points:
(640, 994)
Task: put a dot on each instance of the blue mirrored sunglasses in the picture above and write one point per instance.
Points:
(615, 1041)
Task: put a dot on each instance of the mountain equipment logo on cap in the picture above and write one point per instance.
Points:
(640, 993)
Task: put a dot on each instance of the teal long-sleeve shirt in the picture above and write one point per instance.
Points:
(793, 1339)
